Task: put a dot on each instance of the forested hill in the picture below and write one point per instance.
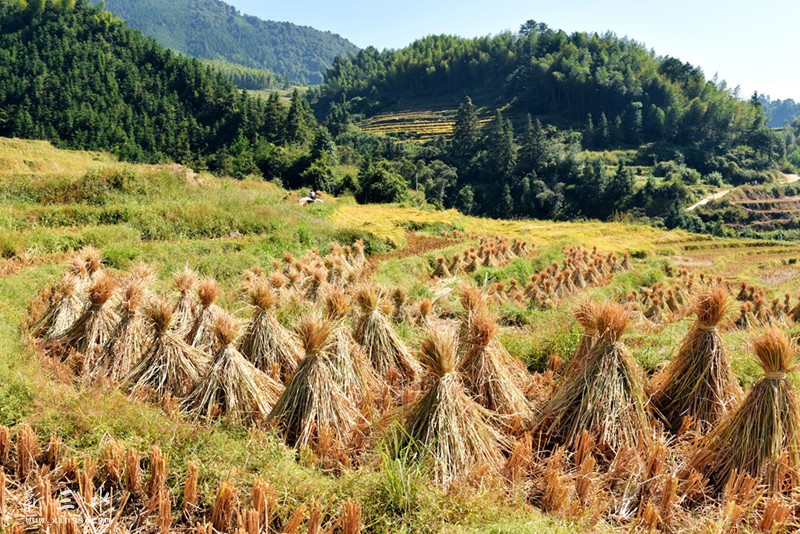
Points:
(211, 29)
(82, 78)
(779, 112)
(614, 87)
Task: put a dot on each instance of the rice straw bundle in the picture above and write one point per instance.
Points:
(441, 270)
(266, 342)
(400, 300)
(201, 335)
(312, 400)
(472, 300)
(700, 382)
(490, 373)
(765, 428)
(351, 367)
(169, 365)
(92, 329)
(445, 425)
(128, 340)
(606, 396)
(233, 385)
(586, 315)
(386, 351)
(185, 308)
(65, 307)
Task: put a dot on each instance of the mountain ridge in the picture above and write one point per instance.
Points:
(212, 29)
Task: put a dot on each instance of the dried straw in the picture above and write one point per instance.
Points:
(201, 335)
(170, 365)
(185, 308)
(93, 328)
(766, 425)
(586, 315)
(446, 426)
(700, 382)
(313, 400)
(385, 350)
(65, 307)
(266, 342)
(233, 386)
(128, 340)
(606, 397)
(351, 367)
(489, 372)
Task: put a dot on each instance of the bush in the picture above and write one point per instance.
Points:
(380, 184)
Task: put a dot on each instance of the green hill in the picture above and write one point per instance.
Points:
(211, 29)
(82, 78)
(614, 90)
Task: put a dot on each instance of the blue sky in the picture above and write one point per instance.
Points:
(751, 44)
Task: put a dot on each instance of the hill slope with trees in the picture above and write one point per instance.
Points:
(80, 77)
(558, 96)
(211, 29)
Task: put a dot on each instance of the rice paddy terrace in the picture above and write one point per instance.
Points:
(184, 353)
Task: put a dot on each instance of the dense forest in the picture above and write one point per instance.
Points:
(601, 91)
(212, 29)
(246, 77)
(613, 90)
(82, 78)
(779, 112)
(73, 73)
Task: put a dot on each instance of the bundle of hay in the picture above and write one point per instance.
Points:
(170, 365)
(185, 308)
(386, 351)
(586, 315)
(201, 335)
(128, 340)
(313, 401)
(233, 386)
(472, 300)
(425, 315)
(699, 382)
(605, 397)
(92, 330)
(64, 308)
(445, 425)
(490, 373)
(351, 367)
(268, 345)
(400, 300)
(441, 270)
(764, 430)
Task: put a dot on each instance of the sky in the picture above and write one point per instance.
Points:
(749, 44)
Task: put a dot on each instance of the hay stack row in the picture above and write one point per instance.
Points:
(461, 404)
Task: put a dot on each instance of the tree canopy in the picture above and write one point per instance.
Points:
(212, 29)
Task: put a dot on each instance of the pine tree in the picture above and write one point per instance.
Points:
(603, 135)
(535, 154)
(300, 120)
(589, 134)
(502, 150)
(466, 134)
(505, 208)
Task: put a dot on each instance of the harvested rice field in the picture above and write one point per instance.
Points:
(181, 353)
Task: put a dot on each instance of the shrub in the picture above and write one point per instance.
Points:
(379, 184)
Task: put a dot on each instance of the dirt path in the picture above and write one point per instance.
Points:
(709, 198)
(789, 179)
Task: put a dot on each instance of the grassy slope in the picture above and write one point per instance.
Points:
(49, 205)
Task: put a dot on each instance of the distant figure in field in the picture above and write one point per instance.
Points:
(312, 198)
